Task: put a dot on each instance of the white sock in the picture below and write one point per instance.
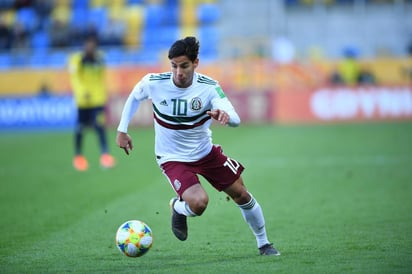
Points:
(183, 208)
(253, 215)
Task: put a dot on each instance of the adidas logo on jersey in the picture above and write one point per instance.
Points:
(164, 103)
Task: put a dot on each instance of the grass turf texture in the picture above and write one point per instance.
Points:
(337, 199)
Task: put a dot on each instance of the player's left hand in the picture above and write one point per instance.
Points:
(219, 115)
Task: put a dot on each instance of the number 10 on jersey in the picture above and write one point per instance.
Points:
(179, 107)
(232, 164)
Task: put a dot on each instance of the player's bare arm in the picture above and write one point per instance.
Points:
(124, 141)
(219, 115)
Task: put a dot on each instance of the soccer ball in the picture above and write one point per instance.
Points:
(134, 238)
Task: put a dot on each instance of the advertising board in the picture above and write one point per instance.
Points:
(343, 104)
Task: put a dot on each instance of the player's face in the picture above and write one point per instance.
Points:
(183, 70)
(90, 46)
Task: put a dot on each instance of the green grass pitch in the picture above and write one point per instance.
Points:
(337, 199)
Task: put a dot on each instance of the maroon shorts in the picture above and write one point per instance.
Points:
(218, 169)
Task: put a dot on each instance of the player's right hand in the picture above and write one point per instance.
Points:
(124, 141)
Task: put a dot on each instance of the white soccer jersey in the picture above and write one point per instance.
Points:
(180, 119)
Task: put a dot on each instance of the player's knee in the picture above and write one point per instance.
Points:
(238, 192)
(241, 197)
(197, 199)
(198, 205)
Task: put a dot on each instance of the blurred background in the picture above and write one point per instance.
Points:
(285, 61)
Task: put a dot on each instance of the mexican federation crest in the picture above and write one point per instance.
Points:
(196, 104)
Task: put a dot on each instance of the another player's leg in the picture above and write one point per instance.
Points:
(193, 203)
(106, 160)
(80, 162)
(253, 215)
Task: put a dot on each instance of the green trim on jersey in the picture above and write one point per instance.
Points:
(206, 80)
(160, 76)
(179, 119)
(220, 92)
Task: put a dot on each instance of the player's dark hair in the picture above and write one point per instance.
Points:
(188, 46)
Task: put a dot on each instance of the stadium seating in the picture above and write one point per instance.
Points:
(113, 56)
(210, 39)
(150, 26)
(78, 18)
(98, 17)
(27, 17)
(5, 61)
(40, 40)
(56, 59)
(208, 13)
(38, 59)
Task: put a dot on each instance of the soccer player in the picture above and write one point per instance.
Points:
(184, 102)
(88, 83)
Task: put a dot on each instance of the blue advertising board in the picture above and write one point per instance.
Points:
(37, 112)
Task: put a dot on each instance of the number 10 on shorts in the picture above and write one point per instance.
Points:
(232, 164)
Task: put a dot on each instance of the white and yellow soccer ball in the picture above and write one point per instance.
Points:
(134, 238)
